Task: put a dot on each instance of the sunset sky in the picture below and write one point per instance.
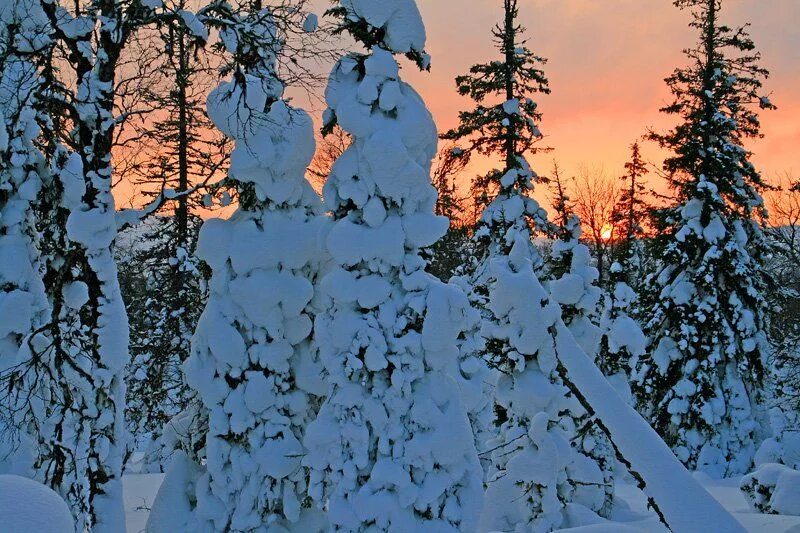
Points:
(607, 62)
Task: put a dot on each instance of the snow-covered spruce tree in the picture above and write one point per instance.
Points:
(538, 417)
(23, 173)
(391, 449)
(252, 363)
(700, 384)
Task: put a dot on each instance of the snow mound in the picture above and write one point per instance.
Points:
(773, 488)
(26, 505)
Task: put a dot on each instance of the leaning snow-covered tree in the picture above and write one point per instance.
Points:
(700, 385)
(391, 449)
(252, 364)
(536, 468)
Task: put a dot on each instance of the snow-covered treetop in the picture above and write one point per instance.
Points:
(394, 25)
(397, 144)
(274, 142)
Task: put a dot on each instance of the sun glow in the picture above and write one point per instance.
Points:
(607, 232)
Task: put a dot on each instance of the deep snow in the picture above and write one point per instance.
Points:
(630, 516)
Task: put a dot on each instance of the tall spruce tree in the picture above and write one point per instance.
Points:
(531, 426)
(700, 385)
(505, 124)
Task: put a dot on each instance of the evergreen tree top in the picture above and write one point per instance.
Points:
(718, 97)
(509, 126)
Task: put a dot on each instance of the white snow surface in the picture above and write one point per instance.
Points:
(630, 514)
(28, 506)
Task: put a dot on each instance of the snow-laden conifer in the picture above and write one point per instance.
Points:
(700, 383)
(252, 365)
(392, 448)
(535, 464)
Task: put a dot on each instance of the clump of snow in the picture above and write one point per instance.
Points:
(311, 23)
(399, 19)
(26, 505)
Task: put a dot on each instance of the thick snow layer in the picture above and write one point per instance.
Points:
(26, 505)
(630, 514)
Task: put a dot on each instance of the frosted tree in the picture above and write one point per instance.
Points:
(536, 467)
(700, 383)
(80, 436)
(66, 386)
(391, 448)
(252, 364)
(24, 309)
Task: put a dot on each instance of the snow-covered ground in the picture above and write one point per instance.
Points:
(140, 491)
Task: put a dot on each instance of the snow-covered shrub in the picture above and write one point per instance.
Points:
(252, 364)
(392, 448)
(784, 445)
(773, 488)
